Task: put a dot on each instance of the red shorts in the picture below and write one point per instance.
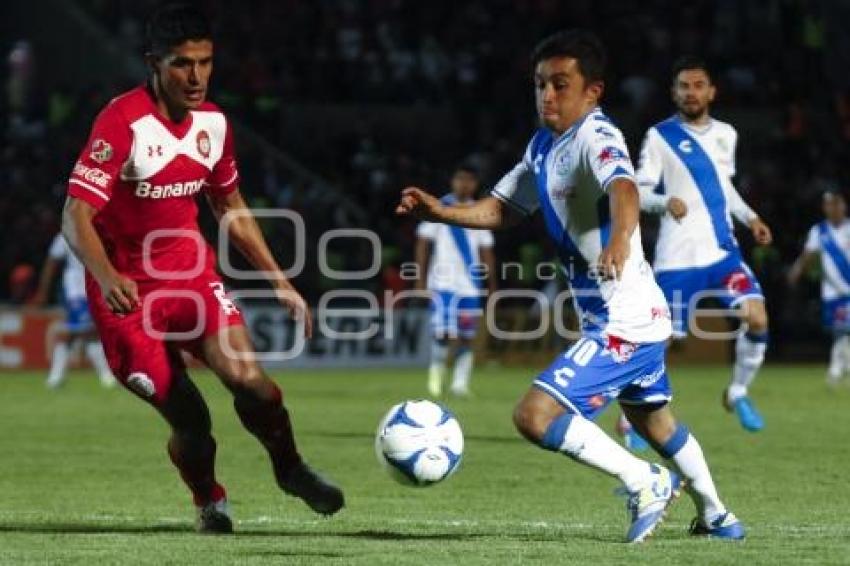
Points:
(143, 347)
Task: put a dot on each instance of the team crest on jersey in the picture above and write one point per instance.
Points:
(101, 150)
(562, 164)
(203, 140)
(611, 154)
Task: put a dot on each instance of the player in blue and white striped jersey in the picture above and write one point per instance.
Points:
(685, 173)
(576, 170)
(829, 241)
(79, 328)
(458, 262)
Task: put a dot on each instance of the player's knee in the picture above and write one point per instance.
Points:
(529, 422)
(242, 374)
(185, 447)
(658, 431)
(256, 388)
(756, 319)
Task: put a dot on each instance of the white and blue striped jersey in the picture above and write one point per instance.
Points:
(455, 264)
(73, 274)
(697, 166)
(567, 178)
(833, 245)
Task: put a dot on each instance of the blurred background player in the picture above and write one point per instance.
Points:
(829, 241)
(685, 173)
(576, 170)
(457, 261)
(150, 152)
(79, 328)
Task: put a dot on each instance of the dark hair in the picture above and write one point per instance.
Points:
(466, 168)
(690, 63)
(833, 193)
(581, 45)
(173, 24)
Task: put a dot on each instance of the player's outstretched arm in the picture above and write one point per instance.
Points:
(422, 257)
(625, 211)
(488, 213)
(48, 272)
(120, 293)
(243, 231)
(488, 258)
(747, 216)
(801, 264)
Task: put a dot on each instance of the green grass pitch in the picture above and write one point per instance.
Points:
(84, 479)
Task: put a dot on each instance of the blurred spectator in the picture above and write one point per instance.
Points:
(21, 284)
(376, 94)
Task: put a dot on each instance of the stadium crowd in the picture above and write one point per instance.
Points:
(416, 87)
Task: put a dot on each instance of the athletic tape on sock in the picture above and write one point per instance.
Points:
(554, 437)
(675, 442)
(758, 338)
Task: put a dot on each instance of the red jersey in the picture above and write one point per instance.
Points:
(142, 172)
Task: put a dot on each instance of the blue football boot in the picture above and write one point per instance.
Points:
(648, 505)
(724, 526)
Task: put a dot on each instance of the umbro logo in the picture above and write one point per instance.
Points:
(154, 150)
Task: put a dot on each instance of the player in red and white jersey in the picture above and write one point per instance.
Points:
(131, 218)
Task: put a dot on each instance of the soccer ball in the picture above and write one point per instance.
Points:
(419, 443)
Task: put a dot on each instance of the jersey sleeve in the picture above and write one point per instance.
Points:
(518, 187)
(427, 230)
(99, 165)
(739, 209)
(812, 244)
(606, 156)
(224, 177)
(649, 175)
(485, 238)
(58, 248)
(734, 160)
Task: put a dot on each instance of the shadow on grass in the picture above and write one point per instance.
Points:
(104, 528)
(367, 534)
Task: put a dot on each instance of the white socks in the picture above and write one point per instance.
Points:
(462, 374)
(61, 356)
(58, 364)
(749, 356)
(463, 370)
(690, 462)
(839, 358)
(94, 352)
(582, 440)
(437, 369)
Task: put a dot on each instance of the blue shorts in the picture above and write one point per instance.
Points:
(453, 315)
(729, 281)
(587, 377)
(836, 315)
(77, 316)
